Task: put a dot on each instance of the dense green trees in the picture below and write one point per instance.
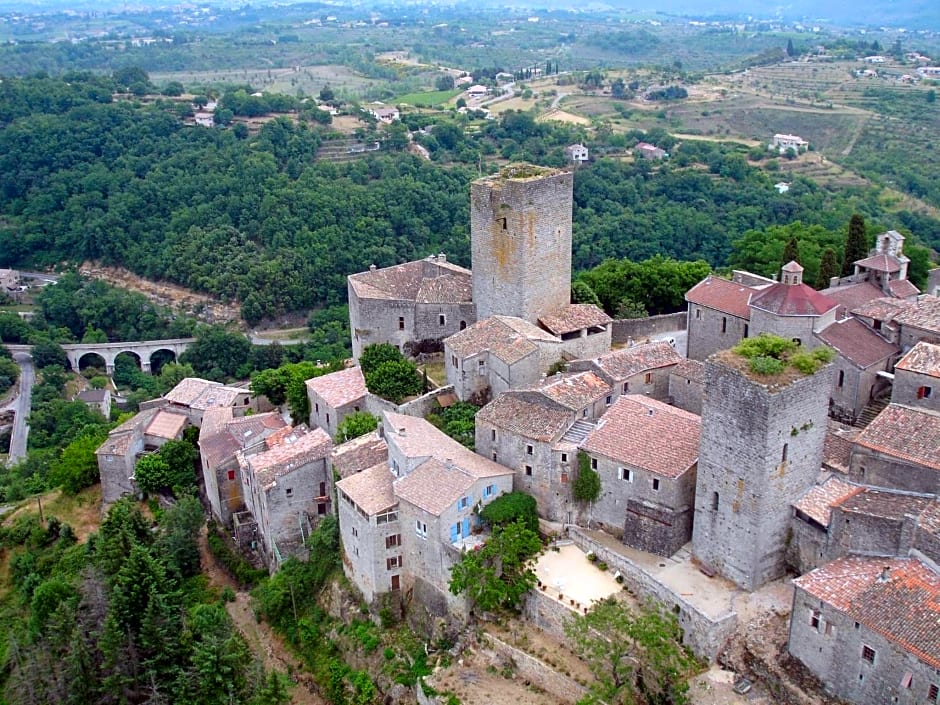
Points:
(657, 285)
(172, 468)
(9, 371)
(354, 425)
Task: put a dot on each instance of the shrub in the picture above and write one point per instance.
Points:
(764, 365)
(587, 485)
(764, 345)
(511, 507)
(805, 362)
(237, 567)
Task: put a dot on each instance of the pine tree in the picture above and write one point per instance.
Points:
(791, 253)
(828, 268)
(856, 245)
(791, 51)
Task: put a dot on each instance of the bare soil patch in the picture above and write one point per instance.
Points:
(82, 512)
(172, 296)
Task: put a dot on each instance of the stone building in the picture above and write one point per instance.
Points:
(719, 317)
(641, 369)
(864, 359)
(497, 354)
(97, 399)
(192, 396)
(761, 449)
(869, 628)
(117, 457)
(287, 484)
(359, 454)
(413, 306)
(334, 396)
(647, 486)
(520, 242)
(882, 274)
(584, 330)
(537, 432)
(919, 321)
(791, 309)
(221, 436)
(917, 377)
(404, 522)
(686, 385)
(900, 449)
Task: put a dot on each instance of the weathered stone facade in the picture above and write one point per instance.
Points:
(761, 449)
(711, 330)
(520, 239)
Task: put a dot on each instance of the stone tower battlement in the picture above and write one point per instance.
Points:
(520, 240)
(761, 449)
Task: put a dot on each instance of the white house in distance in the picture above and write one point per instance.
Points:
(577, 153)
(477, 91)
(783, 142)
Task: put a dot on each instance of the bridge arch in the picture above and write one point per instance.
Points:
(128, 354)
(90, 358)
(160, 357)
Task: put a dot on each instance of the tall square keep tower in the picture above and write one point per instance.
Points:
(520, 241)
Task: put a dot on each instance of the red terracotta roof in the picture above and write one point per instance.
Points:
(430, 280)
(903, 288)
(358, 454)
(851, 296)
(906, 433)
(539, 421)
(722, 295)
(880, 263)
(632, 432)
(837, 447)
(574, 391)
(792, 300)
(574, 317)
(626, 362)
(857, 343)
(881, 309)
(690, 369)
(925, 314)
(898, 598)
(508, 338)
(818, 502)
(923, 358)
(339, 388)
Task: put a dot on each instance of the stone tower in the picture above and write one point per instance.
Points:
(761, 449)
(520, 241)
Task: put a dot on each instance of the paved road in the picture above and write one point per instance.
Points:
(20, 427)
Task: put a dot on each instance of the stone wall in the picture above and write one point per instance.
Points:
(657, 529)
(711, 330)
(906, 386)
(547, 614)
(559, 686)
(685, 393)
(870, 467)
(425, 404)
(625, 329)
(703, 634)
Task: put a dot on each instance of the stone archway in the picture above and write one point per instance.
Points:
(159, 358)
(92, 360)
(123, 367)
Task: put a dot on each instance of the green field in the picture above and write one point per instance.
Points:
(427, 99)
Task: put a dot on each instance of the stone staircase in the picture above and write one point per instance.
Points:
(578, 432)
(869, 413)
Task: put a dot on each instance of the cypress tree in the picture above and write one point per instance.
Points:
(791, 253)
(856, 244)
(828, 268)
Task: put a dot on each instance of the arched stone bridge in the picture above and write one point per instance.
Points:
(143, 350)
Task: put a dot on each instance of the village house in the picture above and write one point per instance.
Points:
(9, 279)
(413, 306)
(497, 354)
(641, 369)
(719, 317)
(385, 114)
(647, 486)
(97, 399)
(537, 432)
(117, 457)
(577, 153)
(645, 150)
(917, 377)
(869, 629)
(404, 522)
(782, 142)
(919, 321)
(334, 396)
(287, 485)
(477, 91)
(221, 436)
(686, 385)
(358, 454)
(882, 274)
(193, 396)
(584, 329)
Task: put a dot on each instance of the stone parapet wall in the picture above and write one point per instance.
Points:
(561, 687)
(623, 330)
(705, 635)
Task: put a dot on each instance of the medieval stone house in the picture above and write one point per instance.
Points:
(334, 396)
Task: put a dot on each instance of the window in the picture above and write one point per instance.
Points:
(328, 418)
(841, 378)
(868, 653)
(797, 341)
(316, 408)
(698, 313)
(876, 325)
(626, 387)
(463, 325)
(724, 324)
(321, 509)
(421, 529)
(386, 517)
(714, 501)
(231, 474)
(745, 330)
(648, 379)
(289, 491)
(453, 361)
(608, 400)
(322, 490)
(529, 450)
(489, 491)
(584, 413)
(564, 457)
(502, 223)
(656, 484)
(393, 563)
(933, 693)
(493, 435)
(401, 323)
(355, 532)
(494, 457)
(593, 463)
(625, 474)
(393, 541)
(783, 453)
(528, 471)
(924, 392)
(815, 617)
(463, 502)
(441, 319)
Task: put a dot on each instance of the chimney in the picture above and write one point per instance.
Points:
(401, 431)
(371, 267)
(441, 257)
(449, 463)
(885, 574)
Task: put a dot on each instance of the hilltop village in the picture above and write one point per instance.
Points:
(774, 431)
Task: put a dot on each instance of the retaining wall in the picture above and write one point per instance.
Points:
(624, 329)
(537, 672)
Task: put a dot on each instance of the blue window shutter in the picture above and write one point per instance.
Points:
(454, 533)
(466, 528)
